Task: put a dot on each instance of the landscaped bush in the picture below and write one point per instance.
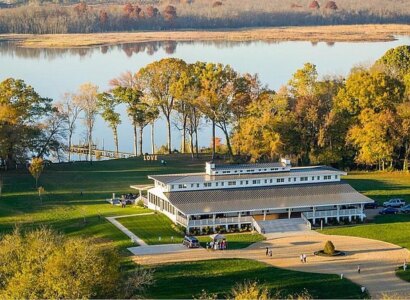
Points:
(140, 203)
(329, 248)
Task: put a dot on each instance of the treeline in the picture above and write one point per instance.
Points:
(86, 18)
(359, 121)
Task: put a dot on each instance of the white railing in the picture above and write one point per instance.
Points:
(308, 225)
(219, 221)
(256, 225)
(333, 213)
(181, 220)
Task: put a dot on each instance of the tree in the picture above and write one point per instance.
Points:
(21, 110)
(86, 99)
(69, 107)
(169, 13)
(36, 168)
(106, 103)
(157, 81)
(43, 264)
(396, 61)
(329, 248)
(126, 90)
(249, 290)
(403, 124)
(216, 91)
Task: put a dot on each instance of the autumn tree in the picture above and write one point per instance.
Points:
(169, 13)
(42, 264)
(157, 81)
(36, 168)
(106, 103)
(21, 112)
(216, 92)
(71, 109)
(86, 99)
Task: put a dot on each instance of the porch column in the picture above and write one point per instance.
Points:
(140, 194)
(187, 224)
(314, 215)
(213, 221)
(362, 212)
(289, 212)
(239, 220)
(264, 215)
(338, 213)
(325, 220)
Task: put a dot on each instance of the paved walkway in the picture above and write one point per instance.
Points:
(125, 230)
(377, 259)
(161, 249)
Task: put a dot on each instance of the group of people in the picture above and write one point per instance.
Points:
(268, 252)
(303, 258)
(217, 245)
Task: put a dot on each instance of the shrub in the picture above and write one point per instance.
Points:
(249, 290)
(217, 3)
(331, 5)
(314, 5)
(329, 248)
(140, 203)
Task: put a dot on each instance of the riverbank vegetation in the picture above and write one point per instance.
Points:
(40, 17)
(359, 121)
(153, 39)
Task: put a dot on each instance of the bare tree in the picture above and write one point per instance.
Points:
(86, 99)
(72, 110)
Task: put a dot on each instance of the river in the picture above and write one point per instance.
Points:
(52, 72)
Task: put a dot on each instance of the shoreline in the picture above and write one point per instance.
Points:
(337, 33)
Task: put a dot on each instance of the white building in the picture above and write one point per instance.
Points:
(251, 194)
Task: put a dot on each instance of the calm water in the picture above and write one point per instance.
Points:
(53, 72)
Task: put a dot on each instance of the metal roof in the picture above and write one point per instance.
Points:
(203, 177)
(263, 198)
(249, 166)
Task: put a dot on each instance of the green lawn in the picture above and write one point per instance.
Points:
(236, 240)
(151, 227)
(381, 186)
(185, 280)
(63, 207)
(405, 275)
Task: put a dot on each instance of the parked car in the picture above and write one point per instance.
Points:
(397, 202)
(389, 211)
(405, 209)
(190, 242)
(371, 205)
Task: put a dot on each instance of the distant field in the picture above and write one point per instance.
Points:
(351, 33)
(185, 280)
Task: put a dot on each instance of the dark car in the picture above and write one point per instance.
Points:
(190, 242)
(389, 211)
(371, 205)
(405, 209)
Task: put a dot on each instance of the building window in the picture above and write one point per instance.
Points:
(182, 186)
(246, 182)
(271, 180)
(172, 187)
(207, 184)
(318, 178)
(192, 185)
(303, 179)
(231, 182)
(279, 180)
(336, 176)
(197, 185)
(294, 179)
(241, 182)
(216, 183)
(266, 181)
(327, 177)
(256, 181)
(313, 177)
(289, 179)
(222, 183)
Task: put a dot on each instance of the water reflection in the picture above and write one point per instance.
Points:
(12, 48)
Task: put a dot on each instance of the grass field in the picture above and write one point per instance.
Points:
(381, 186)
(236, 240)
(151, 227)
(65, 209)
(351, 33)
(185, 280)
